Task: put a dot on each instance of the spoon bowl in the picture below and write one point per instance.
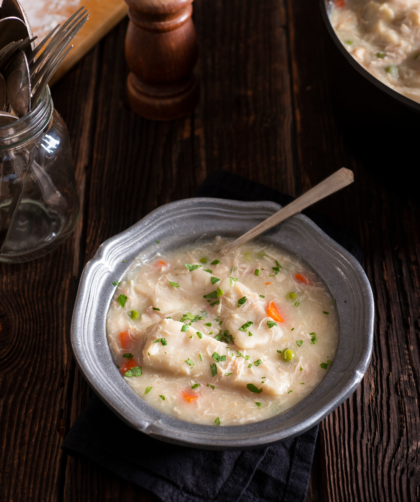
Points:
(12, 29)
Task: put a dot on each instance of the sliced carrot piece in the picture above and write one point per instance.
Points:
(160, 264)
(273, 312)
(130, 363)
(188, 396)
(267, 283)
(125, 340)
(339, 3)
(301, 278)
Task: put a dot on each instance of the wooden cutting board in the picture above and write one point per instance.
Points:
(45, 14)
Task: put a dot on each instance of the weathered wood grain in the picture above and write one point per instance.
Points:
(370, 444)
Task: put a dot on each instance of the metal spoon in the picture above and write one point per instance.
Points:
(7, 119)
(18, 84)
(3, 94)
(333, 183)
(12, 8)
(12, 29)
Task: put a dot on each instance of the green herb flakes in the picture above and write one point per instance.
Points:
(208, 270)
(203, 260)
(232, 280)
(122, 300)
(215, 262)
(228, 374)
(299, 342)
(249, 365)
(195, 386)
(290, 391)
(128, 355)
(191, 268)
(297, 304)
(217, 421)
(174, 284)
(115, 283)
(262, 296)
(250, 334)
(301, 369)
(211, 296)
(162, 341)
(214, 280)
(212, 386)
(190, 317)
(154, 308)
(148, 389)
(189, 362)
(245, 326)
(271, 324)
(257, 272)
(200, 335)
(199, 355)
(258, 404)
(251, 387)
(185, 328)
(314, 339)
(219, 292)
(218, 358)
(214, 303)
(257, 362)
(326, 313)
(136, 371)
(241, 301)
(279, 351)
(162, 397)
(213, 369)
(157, 242)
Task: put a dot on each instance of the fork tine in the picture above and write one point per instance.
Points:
(54, 55)
(35, 52)
(56, 40)
(48, 76)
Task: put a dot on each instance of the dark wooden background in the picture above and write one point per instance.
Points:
(273, 108)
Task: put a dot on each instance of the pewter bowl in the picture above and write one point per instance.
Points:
(181, 223)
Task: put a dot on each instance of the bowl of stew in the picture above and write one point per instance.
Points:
(222, 352)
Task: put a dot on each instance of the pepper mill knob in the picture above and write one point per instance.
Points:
(161, 51)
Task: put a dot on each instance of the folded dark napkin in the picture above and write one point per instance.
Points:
(179, 474)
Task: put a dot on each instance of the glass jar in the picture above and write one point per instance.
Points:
(39, 205)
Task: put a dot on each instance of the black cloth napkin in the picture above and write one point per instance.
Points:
(179, 474)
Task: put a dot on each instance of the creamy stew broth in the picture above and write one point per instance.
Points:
(222, 340)
(384, 37)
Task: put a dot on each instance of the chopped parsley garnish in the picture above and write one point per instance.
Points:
(301, 368)
(218, 358)
(215, 262)
(195, 386)
(157, 242)
(212, 386)
(134, 314)
(314, 339)
(128, 355)
(290, 391)
(224, 337)
(276, 270)
(190, 317)
(199, 355)
(213, 369)
(124, 261)
(258, 404)
(262, 296)
(214, 303)
(257, 272)
(292, 329)
(115, 283)
(228, 374)
(326, 313)
(245, 326)
(214, 280)
(257, 362)
(211, 296)
(121, 300)
(203, 260)
(302, 383)
(200, 335)
(191, 268)
(185, 328)
(219, 292)
(249, 365)
(148, 389)
(232, 280)
(241, 301)
(174, 284)
(297, 304)
(162, 397)
(189, 362)
(251, 387)
(217, 421)
(279, 351)
(270, 324)
(154, 308)
(299, 342)
(380, 55)
(162, 341)
(208, 270)
(136, 371)
(249, 333)
(324, 366)
(278, 264)
(208, 324)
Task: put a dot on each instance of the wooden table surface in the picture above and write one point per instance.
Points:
(268, 111)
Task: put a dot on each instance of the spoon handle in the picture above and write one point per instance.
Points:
(333, 183)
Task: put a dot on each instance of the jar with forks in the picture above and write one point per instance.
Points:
(39, 205)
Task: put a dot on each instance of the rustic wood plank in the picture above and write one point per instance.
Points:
(36, 364)
(369, 445)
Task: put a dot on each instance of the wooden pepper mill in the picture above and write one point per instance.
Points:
(161, 51)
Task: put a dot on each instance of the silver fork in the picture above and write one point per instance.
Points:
(43, 67)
